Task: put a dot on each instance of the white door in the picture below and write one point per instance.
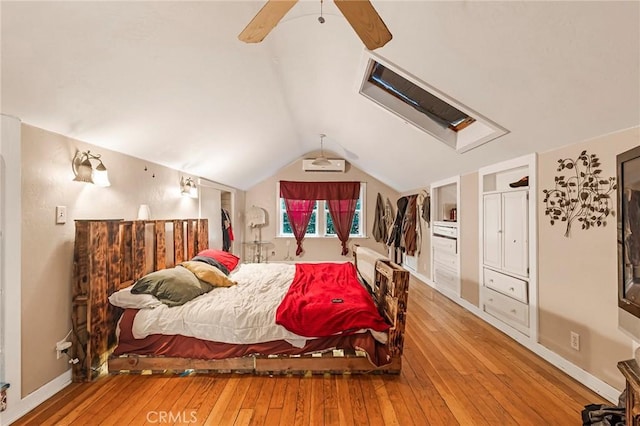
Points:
(492, 230)
(515, 208)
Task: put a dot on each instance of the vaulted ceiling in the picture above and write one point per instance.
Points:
(169, 82)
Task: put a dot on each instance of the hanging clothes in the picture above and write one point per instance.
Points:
(424, 200)
(380, 230)
(423, 207)
(408, 242)
(395, 236)
(388, 220)
(227, 231)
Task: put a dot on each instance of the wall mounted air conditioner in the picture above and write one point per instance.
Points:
(333, 166)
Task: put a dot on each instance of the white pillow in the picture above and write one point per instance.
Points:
(127, 300)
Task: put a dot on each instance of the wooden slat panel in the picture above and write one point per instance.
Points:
(81, 260)
(139, 250)
(203, 235)
(192, 238)
(178, 241)
(262, 365)
(391, 293)
(141, 363)
(114, 282)
(79, 315)
(98, 296)
(126, 251)
(160, 259)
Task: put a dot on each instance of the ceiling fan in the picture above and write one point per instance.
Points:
(360, 14)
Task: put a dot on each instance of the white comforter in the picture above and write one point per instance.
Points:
(242, 314)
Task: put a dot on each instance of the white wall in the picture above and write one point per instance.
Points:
(10, 262)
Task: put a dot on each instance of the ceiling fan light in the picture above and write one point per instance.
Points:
(321, 161)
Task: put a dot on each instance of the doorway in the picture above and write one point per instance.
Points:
(215, 201)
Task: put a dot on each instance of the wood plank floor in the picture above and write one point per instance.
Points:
(456, 370)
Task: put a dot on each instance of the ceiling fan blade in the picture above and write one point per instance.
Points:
(365, 22)
(265, 20)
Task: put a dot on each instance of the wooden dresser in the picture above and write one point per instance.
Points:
(631, 373)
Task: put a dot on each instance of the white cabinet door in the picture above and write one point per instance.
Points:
(515, 244)
(492, 231)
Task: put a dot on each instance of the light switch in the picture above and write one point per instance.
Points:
(61, 214)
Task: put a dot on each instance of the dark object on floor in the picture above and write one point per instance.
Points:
(522, 182)
(603, 415)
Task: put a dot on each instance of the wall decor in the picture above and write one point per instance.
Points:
(581, 194)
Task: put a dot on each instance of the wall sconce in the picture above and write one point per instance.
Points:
(188, 187)
(84, 171)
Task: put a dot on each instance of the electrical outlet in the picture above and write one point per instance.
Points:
(61, 215)
(575, 341)
(61, 347)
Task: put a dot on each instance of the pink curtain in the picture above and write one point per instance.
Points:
(299, 212)
(299, 198)
(342, 212)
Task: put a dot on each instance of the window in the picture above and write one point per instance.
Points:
(285, 228)
(430, 110)
(321, 224)
(418, 98)
(355, 225)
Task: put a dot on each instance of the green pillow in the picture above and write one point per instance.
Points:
(173, 286)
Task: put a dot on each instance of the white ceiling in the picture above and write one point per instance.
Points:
(169, 82)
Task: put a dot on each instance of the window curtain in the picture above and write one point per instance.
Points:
(342, 212)
(341, 199)
(299, 212)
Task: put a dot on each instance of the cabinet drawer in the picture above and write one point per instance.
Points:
(445, 278)
(505, 284)
(445, 245)
(506, 309)
(447, 259)
(446, 229)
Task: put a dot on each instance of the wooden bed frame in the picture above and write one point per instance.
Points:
(111, 254)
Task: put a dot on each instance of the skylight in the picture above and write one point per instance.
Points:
(426, 108)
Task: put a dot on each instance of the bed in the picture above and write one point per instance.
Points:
(110, 256)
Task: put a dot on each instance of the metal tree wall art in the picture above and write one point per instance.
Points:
(581, 195)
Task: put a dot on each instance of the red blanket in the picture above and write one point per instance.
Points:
(325, 299)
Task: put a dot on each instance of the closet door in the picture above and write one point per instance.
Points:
(515, 229)
(492, 231)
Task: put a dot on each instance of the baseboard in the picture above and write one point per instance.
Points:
(35, 398)
(603, 389)
(422, 278)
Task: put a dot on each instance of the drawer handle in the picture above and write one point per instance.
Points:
(490, 300)
(512, 289)
(490, 280)
(513, 311)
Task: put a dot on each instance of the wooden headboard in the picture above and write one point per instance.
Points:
(110, 255)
